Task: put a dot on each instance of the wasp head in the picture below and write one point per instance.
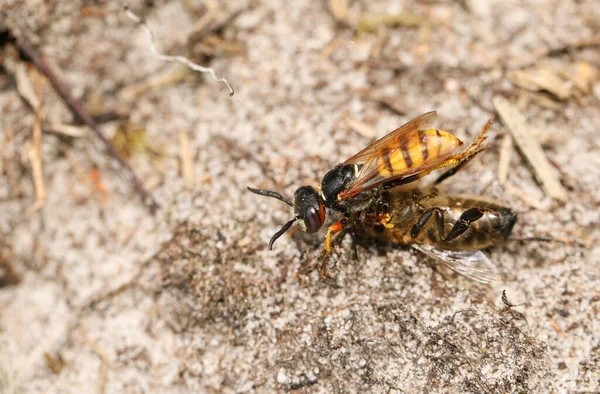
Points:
(308, 210)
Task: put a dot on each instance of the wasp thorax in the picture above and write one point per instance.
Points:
(309, 209)
(335, 181)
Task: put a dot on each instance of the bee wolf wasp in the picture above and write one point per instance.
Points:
(373, 192)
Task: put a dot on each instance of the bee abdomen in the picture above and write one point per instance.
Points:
(465, 230)
(508, 220)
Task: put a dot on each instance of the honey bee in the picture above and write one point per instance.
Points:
(375, 192)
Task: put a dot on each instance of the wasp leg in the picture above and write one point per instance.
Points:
(458, 167)
(334, 228)
(460, 160)
(439, 214)
(461, 225)
(403, 181)
(465, 156)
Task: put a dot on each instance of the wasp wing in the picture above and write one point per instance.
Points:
(408, 150)
(422, 122)
(473, 264)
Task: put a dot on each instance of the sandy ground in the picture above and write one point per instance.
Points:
(113, 299)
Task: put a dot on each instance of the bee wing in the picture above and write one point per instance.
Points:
(408, 150)
(473, 264)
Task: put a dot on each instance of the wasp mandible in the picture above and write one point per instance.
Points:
(374, 192)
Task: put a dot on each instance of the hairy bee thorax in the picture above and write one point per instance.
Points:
(453, 222)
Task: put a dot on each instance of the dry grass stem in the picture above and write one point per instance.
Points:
(81, 112)
(96, 347)
(66, 130)
(168, 77)
(187, 160)
(25, 86)
(27, 91)
(35, 156)
(505, 153)
(526, 198)
(102, 379)
(361, 128)
(530, 148)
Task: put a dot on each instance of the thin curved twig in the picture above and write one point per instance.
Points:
(177, 59)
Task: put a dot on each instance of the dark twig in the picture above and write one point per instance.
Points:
(585, 43)
(81, 113)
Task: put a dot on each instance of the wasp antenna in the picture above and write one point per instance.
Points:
(270, 193)
(280, 232)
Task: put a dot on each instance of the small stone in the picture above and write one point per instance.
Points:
(282, 377)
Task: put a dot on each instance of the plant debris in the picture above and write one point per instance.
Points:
(531, 149)
(177, 59)
(187, 160)
(191, 299)
(541, 79)
(371, 23)
(83, 115)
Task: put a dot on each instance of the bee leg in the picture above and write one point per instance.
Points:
(334, 228)
(416, 229)
(462, 224)
(439, 213)
(440, 218)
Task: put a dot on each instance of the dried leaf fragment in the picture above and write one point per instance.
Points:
(541, 79)
(582, 75)
(8, 275)
(339, 10)
(129, 140)
(371, 23)
(55, 364)
(361, 128)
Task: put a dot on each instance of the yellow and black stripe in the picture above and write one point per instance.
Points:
(410, 152)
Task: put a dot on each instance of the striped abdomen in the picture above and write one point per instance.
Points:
(451, 222)
(463, 223)
(412, 150)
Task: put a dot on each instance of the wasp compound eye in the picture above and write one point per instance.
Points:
(312, 219)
